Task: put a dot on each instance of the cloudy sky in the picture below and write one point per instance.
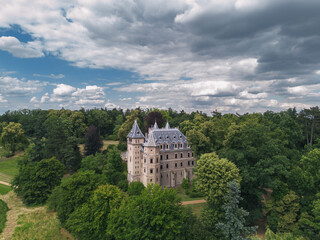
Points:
(230, 55)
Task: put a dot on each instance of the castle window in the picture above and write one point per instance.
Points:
(181, 155)
(192, 154)
(160, 157)
(175, 165)
(160, 166)
(181, 145)
(188, 163)
(157, 159)
(150, 179)
(167, 165)
(181, 173)
(176, 145)
(167, 146)
(130, 159)
(167, 156)
(161, 175)
(161, 146)
(157, 170)
(176, 156)
(181, 164)
(145, 160)
(188, 154)
(151, 170)
(151, 160)
(144, 170)
(192, 162)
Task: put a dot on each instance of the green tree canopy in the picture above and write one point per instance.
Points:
(90, 221)
(12, 136)
(36, 180)
(212, 176)
(155, 214)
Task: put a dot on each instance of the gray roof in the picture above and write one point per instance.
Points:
(163, 135)
(135, 131)
(155, 126)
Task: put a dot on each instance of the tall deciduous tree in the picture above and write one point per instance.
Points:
(234, 227)
(152, 117)
(73, 192)
(155, 214)
(12, 136)
(36, 180)
(90, 221)
(213, 175)
(93, 142)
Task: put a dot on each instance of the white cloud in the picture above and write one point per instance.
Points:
(34, 100)
(63, 90)
(2, 99)
(19, 87)
(53, 76)
(21, 50)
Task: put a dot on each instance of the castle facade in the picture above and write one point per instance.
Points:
(163, 157)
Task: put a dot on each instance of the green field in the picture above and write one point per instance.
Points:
(40, 225)
(196, 208)
(8, 166)
(4, 189)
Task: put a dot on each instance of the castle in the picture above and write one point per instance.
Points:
(162, 157)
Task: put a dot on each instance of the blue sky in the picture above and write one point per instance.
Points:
(231, 55)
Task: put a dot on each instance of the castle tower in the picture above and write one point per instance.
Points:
(135, 139)
(151, 160)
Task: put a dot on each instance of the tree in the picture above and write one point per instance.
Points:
(12, 136)
(155, 214)
(93, 142)
(94, 162)
(36, 180)
(212, 176)
(282, 215)
(73, 192)
(135, 188)
(100, 119)
(60, 142)
(234, 227)
(152, 117)
(90, 221)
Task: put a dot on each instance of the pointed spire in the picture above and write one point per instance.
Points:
(167, 125)
(135, 131)
(155, 126)
(151, 142)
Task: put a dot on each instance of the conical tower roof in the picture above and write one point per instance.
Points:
(151, 142)
(167, 125)
(135, 131)
(155, 126)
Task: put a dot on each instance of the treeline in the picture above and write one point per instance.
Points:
(274, 156)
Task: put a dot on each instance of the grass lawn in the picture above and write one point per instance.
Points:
(196, 208)
(4, 189)
(183, 196)
(40, 225)
(8, 169)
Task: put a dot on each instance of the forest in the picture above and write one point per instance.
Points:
(253, 169)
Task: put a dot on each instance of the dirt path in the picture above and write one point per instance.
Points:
(5, 183)
(16, 208)
(193, 202)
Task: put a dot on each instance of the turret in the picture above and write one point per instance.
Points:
(135, 139)
(151, 161)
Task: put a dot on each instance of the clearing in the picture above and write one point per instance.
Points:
(30, 222)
